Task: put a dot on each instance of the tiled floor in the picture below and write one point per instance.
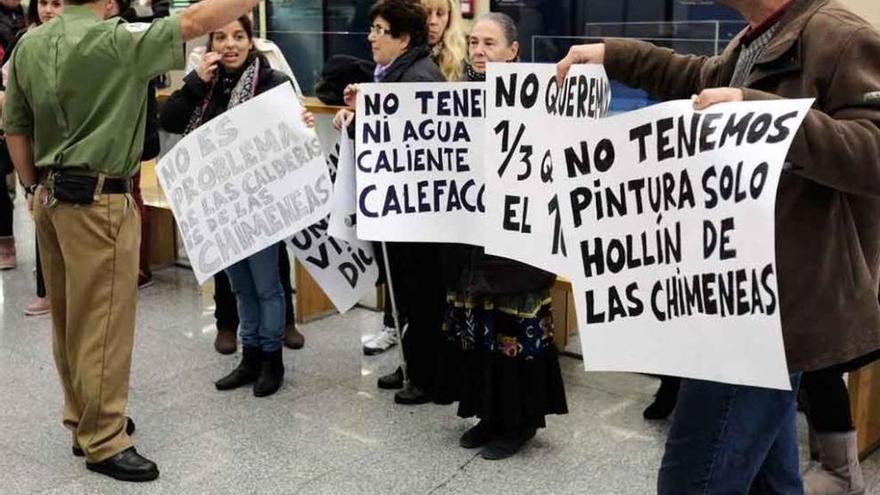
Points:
(329, 430)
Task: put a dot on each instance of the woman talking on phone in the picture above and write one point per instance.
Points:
(230, 74)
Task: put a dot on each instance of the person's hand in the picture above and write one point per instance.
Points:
(709, 97)
(208, 68)
(593, 53)
(342, 119)
(308, 118)
(349, 95)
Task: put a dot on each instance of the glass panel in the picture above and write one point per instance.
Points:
(306, 52)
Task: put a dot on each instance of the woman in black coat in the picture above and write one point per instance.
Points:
(399, 41)
(231, 73)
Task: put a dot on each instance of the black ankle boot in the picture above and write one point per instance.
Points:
(247, 371)
(271, 374)
(664, 402)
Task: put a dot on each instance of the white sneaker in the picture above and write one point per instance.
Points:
(386, 339)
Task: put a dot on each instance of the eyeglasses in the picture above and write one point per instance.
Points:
(381, 31)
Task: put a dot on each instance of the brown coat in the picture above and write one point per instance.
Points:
(828, 204)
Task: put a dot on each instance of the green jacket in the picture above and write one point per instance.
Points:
(78, 87)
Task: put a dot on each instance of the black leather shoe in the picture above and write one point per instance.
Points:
(479, 435)
(127, 465)
(129, 430)
(507, 445)
(412, 395)
(391, 381)
(664, 401)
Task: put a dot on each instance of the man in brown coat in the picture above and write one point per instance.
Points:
(726, 438)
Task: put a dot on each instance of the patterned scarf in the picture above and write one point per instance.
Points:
(244, 90)
(749, 55)
(472, 75)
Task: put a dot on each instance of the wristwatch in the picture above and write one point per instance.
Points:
(30, 190)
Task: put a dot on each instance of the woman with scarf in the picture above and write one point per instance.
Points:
(499, 359)
(230, 74)
(399, 41)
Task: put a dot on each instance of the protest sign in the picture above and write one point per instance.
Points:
(419, 176)
(343, 217)
(670, 218)
(523, 219)
(345, 271)
(247, 179)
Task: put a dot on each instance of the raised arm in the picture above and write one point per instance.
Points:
(208, 15)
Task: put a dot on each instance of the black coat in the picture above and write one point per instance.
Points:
(415, 65)
(176, 112)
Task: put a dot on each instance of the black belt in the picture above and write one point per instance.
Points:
(116, 185)
(112, 185)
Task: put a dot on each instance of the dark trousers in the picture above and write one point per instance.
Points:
(225, 305)
(732, 439)
(828, 407)
(418, 285)
(5, 209)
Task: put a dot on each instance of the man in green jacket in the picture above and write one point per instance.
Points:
(74, 119)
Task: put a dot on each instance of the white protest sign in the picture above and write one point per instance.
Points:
(247, 179)
(419, 162)
(670, 218)
(346, 272)
(343, 224)
(523, 100)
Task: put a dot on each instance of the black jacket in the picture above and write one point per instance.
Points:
(415, 65)
(12, 22)
(176, 112)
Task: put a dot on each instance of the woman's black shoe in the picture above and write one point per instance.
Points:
(271, 374)
(247, 371)
(392, 381)
(664, 402)
(507, 444)
(127, 465)
(479, 435)
(412, 395)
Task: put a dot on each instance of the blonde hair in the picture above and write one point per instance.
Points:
(451, 51)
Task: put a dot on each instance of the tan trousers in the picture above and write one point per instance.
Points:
(90, 263)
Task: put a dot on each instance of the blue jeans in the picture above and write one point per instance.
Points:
(732, 439)
(257, 287)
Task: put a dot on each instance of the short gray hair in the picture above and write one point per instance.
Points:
(507, 24)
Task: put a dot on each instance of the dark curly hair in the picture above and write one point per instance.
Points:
(404, 17)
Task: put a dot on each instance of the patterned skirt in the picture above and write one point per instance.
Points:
(498, 359)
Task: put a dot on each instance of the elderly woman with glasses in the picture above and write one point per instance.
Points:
(399, 41)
